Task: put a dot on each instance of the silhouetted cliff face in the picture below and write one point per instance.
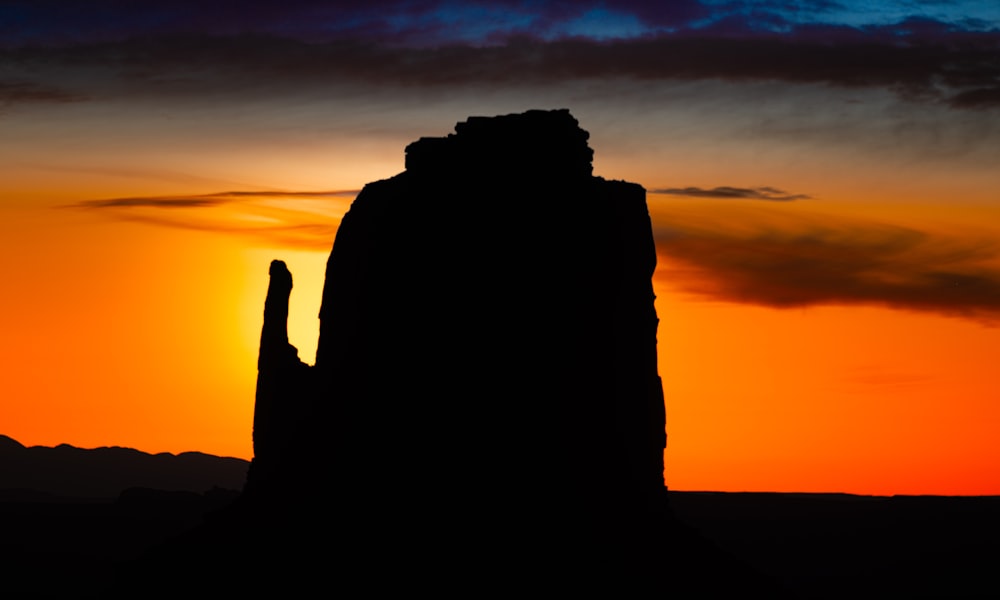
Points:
(485, 396)
(487, 345)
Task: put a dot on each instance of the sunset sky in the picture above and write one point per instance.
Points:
(823, 179)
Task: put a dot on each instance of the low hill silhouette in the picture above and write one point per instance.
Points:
(65, 471)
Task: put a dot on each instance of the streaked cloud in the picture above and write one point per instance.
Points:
(28, 92)
(207, 200)
(756, 193)
(880, 376)
(744, 257)
(290, 219)
(179, 202)
(799, 262)
(984, 97)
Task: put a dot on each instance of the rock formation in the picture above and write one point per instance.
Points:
(284, 389)
(486, 371)
(484, 415)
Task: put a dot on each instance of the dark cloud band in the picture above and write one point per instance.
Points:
(757, 193)
(802, 263)
(26, 92)
(207, 200)
(960, 69)
(253, 215)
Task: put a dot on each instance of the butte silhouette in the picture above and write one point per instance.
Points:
(485, 410)
(487, 337)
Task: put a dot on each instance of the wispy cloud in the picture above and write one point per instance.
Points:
(28, 92)
(756, 193)
(207, 200)
(983, 97)
(296, 219)
(872, 375)
(805, 262)
(178, 202)
(749, 257)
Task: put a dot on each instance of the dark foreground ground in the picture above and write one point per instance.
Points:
(815, 545)
(843, 546)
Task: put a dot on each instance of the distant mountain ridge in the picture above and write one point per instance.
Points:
(105, 472)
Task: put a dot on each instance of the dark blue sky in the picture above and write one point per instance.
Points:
(435, 22)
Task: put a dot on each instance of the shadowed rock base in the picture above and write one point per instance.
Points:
(485, 410)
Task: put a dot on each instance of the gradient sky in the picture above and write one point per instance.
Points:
(822, 178)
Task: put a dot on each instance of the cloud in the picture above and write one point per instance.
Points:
(404, 22)
(758, 193)
(803, 262)
(939, 64)
(977, 98)
(424, 23)
(867, 376)
(769, 258)
(207, 200)
(288, 219)
(287, 194)
(27, 92)
(179, 202)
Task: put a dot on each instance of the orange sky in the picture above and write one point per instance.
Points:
(828, 285)
(143, 333)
